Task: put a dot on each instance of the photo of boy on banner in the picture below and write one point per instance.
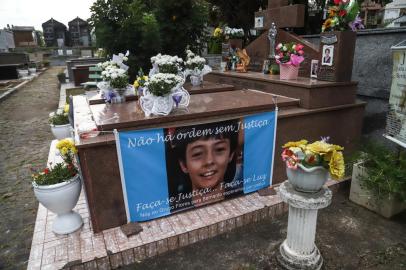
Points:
(206, 167)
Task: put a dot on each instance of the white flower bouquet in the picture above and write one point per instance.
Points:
(162, 93)
(166, 64)
(234, 32)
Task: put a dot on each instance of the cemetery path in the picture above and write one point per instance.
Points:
(25, 137)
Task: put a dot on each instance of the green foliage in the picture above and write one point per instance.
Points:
(385, 170)
(146, 28)
(119, 82)
(59, 119)
(61, 77)
(57, 174)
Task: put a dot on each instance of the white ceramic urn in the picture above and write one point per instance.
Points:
(60, 199)
(61, 131)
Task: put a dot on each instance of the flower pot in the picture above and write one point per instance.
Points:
(61, 199)
(196, 80)
(386, 207)
(307, 179)
(32, 70)
(120, 97)
(288, 72)
(22, 72)
(61, 131)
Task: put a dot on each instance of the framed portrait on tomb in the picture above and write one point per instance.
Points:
(259, 22)
(327, 57)
(314, 66)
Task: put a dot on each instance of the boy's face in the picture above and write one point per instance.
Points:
(206, 162)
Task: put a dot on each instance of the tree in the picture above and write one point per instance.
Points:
(148, 27)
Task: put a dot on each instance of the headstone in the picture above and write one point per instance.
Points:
(86, 53)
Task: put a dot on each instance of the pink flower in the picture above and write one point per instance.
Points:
(296, 59)
(279, 46)
(299, 47)
(301, 52)
(291, 162)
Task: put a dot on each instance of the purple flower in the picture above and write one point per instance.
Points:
(356, 24)
(296, 59)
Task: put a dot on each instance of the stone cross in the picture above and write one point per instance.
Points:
(272, 38)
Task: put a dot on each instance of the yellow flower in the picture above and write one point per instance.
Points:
(66, 108)
(217, 32)
(337, 168)
(300, 144)
(320, 147)
(66, 145)
(327, 24)
(145, 78)
(136, 84)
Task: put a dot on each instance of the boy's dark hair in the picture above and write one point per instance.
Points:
(184, 135)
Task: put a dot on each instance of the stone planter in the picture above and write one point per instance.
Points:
(387, 207)
(341, 46)
(22, 73)
(61, 131)
(61, 199)
(307, 179)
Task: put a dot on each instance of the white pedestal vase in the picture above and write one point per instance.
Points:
(298, 251)
(61, 131)
(61, 199)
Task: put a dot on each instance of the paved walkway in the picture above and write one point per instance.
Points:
(24, 143)
(349, 237)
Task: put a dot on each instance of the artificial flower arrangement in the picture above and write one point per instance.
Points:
(343, 15)
(289, 53)
(319, 153)
(233, 32)
(59, 172)
(166, 64)
(60, 117)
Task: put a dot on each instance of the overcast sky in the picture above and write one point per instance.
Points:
(36, 12)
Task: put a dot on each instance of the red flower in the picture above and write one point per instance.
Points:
(46, 170)
(299, 47)
(301, 52)
(336, 2)
(342, 13)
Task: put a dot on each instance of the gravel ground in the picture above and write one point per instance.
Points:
(25, 137)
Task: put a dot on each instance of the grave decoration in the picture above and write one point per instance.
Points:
(164, 92)
(196, 67)
(166, 64)
(59, 122)
(289, 56)
(115, 78)
(58, 187)
(308, 165)
(244, 60)
(234, 36)
(139, 83)
(177, 174)
(337, 41)
(215, 41)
